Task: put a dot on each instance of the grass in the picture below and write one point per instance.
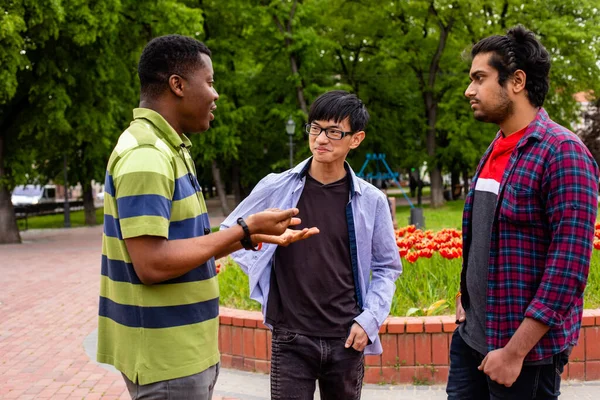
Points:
(426, 192)
(448, 216)
(234, 289)
(591, 298)
(424, 282)
(58, 220)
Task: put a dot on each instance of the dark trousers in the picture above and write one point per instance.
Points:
(194, 387)
(465, 381)
(298, 361)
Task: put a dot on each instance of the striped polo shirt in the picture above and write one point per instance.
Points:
(168, 330)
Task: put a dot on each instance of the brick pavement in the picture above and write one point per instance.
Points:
(49, 302)
(48, 305)
(49, 289)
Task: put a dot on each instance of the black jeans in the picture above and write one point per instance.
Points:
(465, 381)
(297, 361)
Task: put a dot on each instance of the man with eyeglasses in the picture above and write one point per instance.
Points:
(324, 297)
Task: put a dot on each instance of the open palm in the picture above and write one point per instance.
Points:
(288, 237)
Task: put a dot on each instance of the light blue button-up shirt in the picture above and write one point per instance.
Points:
(374, 254)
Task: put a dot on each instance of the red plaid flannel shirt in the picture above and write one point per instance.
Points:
(542, 237)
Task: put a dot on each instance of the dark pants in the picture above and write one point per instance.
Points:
(194, 387)
(297, 361)
(466, 382)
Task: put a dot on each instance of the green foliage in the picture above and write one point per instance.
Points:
(592, 290)
(437, 308)
(234, 290)
(424, 283)
(426, 287)
(68, 76)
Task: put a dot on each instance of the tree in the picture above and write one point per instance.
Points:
(590, 131)
(272, 59)
(71, 85)
(428, 37)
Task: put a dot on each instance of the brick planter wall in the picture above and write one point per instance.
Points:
(415, 350)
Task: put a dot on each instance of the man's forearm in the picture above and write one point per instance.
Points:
(527, 335)
(158, 259)
(232, 248)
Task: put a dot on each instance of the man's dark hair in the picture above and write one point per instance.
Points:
(519, 49)
(165, 56)
(337, 105)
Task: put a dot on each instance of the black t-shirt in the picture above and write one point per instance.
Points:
(312, 285)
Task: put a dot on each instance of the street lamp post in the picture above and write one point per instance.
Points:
(290, 128)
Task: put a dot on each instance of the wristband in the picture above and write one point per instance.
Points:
(246, 240)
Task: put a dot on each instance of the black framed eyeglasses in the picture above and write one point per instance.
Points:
(331, 133)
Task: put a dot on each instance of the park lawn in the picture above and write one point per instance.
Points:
(448, 216)
(56, 221)
(425, 193)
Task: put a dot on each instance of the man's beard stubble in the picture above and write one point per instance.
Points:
(503, 110)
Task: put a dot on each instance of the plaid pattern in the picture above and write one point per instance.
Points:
(541, 239)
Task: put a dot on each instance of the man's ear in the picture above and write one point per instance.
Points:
(176, 85)
(519, 79)
(356, 139)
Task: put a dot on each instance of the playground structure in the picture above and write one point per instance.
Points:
(385, 173)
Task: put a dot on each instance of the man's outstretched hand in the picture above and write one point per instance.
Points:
(272, 221)
(288, 237)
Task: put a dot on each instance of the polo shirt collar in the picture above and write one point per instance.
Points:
(163, 129)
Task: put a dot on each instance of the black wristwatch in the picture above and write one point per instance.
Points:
(246, 240)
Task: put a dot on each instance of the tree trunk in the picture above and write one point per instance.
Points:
(455, 184)
(431, 99)
(9, 230)
(89, 208)
(299, 87)
(235, 182)
(287, 32)
(465, 175)
(437, 187)
(220, 188)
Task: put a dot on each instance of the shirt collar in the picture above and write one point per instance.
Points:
(536, 128)
(302, 169)
(163, 129)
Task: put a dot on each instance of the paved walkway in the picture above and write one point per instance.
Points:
(48, 306)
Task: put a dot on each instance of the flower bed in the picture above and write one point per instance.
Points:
(416, 349)
(430, 280)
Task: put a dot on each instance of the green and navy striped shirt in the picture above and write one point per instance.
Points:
(168, 330)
